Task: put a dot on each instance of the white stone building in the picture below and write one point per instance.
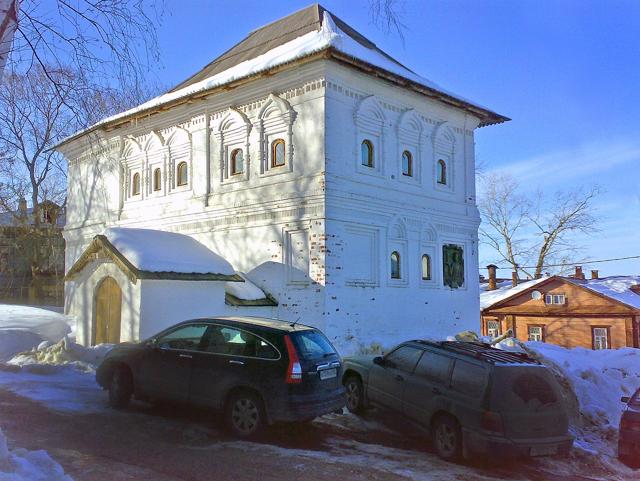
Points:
(334, 177)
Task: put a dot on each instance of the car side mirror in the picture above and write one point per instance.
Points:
(379, 360)
(625, 399)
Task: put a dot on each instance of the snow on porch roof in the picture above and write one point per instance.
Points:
(247, 294)
(154, 254)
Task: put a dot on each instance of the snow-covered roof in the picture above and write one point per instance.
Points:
(155, 254)
(247, 293)
(488, 298)
(617, 288)
(299, 35)
(614, 287)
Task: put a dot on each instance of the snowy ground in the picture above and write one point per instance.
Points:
(55, 404)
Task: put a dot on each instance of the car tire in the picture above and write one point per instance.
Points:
(244, 414)
(446, 437)
(120, 388)
(355, 394)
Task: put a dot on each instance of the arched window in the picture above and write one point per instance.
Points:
(135, 184)
(442, 172)
(277, 153)
(395, 265)
(407, 163)
(181, 177)
(366, 153)
(157, 179)
(426, 268)
(237, 162)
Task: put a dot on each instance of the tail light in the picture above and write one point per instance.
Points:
(492, 421)
(294, 371)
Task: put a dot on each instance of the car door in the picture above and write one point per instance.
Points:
(426, 389)
(164, 368)
(387, 379)
(230, 356)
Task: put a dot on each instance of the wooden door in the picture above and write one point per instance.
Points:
(108, 308)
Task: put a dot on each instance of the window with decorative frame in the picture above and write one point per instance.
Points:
(182, 174)
(444, 149)
(278, 153)
(370, 123)
(135, 184)
(425, 267)
(157, 179)
(442, 172)
(410, 132)
(236, 162)
(407, 164)
(395, 265)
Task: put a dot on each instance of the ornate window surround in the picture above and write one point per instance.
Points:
(370, 122)
(428, 245)
(410, 134)
(397, 241)
(275, 121)
(444, 148)
(233, 133)
(179, 150)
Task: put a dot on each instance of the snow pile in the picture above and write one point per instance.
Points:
(22, 465)
(598, 379)
(23, 327)
(246, 290)
(63, 352)
(159, 251)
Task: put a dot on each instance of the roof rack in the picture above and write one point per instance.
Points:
(483, 351)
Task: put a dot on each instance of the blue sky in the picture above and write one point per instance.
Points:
(566, 72)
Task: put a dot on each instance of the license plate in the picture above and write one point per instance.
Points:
(328, 374)
(544, 450)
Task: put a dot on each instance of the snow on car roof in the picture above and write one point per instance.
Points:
(159, 251)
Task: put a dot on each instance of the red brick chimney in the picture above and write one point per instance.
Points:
(492, 277)
(579, 274)
(594, 274)
(514, 278)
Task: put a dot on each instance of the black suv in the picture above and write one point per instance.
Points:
(471, 398)
(255, 371)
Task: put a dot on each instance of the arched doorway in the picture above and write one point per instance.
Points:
(108, 309)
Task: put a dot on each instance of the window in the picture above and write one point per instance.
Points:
(493, 328)
(426, 267)
(434, 367)
(554, 299)
(186, 337)
(522, 389)
(237, 162)
(312, 344)
(395, 265)
(403, 358)
(442, 172)
(600, 337)
(236, 342)
(453, 265)
(157, 180)
(135, 184)
(407, 163)
(469, 379)
(277, 153)
(182, 174)
(536, 333)
(366, 153)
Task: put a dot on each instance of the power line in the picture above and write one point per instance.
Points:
(587, 262)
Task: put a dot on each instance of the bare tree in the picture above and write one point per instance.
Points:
(531, 231)
(387, 15)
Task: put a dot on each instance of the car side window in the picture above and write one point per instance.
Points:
(185, 337)
(404, 358)
(434, 367)
(236, 342)
(468, 378)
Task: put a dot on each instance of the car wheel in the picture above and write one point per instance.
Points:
(355, 394)
(447, 438)
(120, 388)
(245, 414)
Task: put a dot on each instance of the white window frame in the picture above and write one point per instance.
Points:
(494, 330)
(598, 338)
(555, 299)
(531, 335)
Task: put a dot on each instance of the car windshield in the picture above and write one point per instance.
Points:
(312, 344)
(524, 389)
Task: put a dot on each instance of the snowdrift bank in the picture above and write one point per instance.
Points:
(594, 381)
(23, 327)
(22, 465)
(63, 352)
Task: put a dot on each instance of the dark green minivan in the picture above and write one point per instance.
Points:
(471, 398)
